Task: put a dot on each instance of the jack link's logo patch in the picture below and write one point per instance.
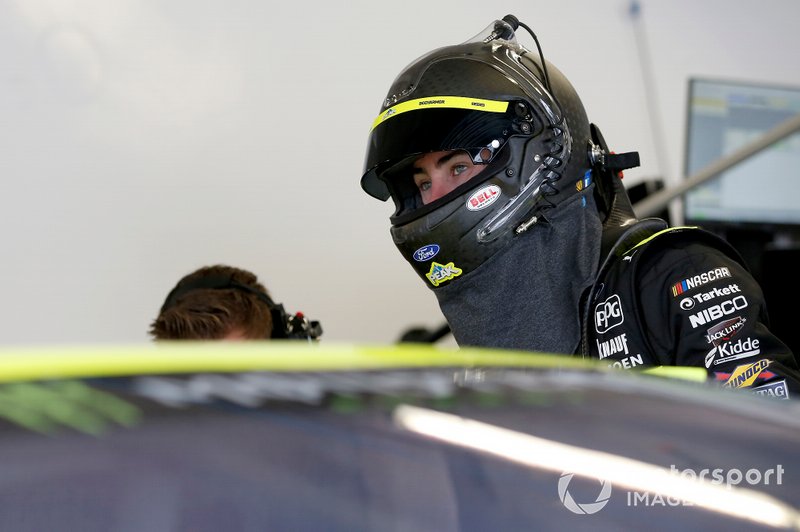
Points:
(724, 331)
(441, 273)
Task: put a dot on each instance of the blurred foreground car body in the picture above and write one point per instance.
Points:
(216, 436)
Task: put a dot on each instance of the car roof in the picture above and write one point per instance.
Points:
(215, 435)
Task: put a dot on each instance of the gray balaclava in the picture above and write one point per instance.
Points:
(525, 297)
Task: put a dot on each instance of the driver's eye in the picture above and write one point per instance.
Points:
(460, 169)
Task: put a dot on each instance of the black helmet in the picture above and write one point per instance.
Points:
(508, 110)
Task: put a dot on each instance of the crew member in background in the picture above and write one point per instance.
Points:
(226, 303)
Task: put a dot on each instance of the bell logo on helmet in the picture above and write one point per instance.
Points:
(441, 273)
(426, 253)
(483, 198)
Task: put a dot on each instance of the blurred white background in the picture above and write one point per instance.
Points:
(140, 140)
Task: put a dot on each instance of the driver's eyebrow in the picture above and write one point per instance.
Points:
(442, 160)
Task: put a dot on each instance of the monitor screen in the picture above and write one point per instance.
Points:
(763, 190)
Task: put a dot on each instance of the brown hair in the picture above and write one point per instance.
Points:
(211, 313)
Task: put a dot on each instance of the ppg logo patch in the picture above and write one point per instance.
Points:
(608, 314)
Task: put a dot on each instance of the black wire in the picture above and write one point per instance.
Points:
(548, 184)
(541, 56)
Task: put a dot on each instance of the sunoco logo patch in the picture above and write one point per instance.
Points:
(744, 376)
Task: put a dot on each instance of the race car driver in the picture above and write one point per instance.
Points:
(509, 205)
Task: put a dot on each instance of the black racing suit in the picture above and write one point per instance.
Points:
(682, 297)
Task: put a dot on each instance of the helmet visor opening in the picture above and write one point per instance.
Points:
(479, 127)
(406, 195)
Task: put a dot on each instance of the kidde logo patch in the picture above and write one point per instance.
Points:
(483, 198)
(426, 253)
(608, 314)
(727, 351)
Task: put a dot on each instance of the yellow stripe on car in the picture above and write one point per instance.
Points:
(60, 362)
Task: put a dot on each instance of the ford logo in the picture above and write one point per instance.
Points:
(426, 252)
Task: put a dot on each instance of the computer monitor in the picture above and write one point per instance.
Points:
(762, 192)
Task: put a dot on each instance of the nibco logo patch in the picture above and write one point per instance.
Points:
(717, 311)
(483, 198)
(608, 314)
